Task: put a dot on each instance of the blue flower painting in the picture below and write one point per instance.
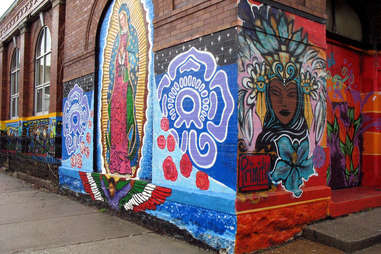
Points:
(293, 165)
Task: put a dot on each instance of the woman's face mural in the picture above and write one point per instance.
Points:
(123, 21)
(283, 100)
(281, 104)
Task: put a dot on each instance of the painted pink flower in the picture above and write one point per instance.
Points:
(79, 160)
(88, 138)
(185, 165)
(87, 152)
(169, 168)
(171, 142)
(72, 161)
(161, 142)
(90, 124)
(202, 180)
(82, 146)
(164, 124)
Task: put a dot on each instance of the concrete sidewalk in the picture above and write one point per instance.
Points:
(35, 221)
(356, 232)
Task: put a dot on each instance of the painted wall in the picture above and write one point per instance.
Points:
(36, 138)
(282, 153)
(77, 131)
(195, 135)
(282, 101)
(194, 115)
(352, 121)
(123, 89)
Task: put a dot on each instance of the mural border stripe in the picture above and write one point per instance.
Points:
(283, 205)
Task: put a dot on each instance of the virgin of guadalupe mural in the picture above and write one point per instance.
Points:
(282, 98)
(123, 88)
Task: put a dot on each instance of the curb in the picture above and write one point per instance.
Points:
(314, 234)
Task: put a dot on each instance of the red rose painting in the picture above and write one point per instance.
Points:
(164, 124)
(202, 180)
(169, 168)
(161, 142)
(171, 142)
(185, 165)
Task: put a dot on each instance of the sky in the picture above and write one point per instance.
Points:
(4, 4)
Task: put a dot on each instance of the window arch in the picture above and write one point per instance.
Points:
(42, 72)
(15, 73)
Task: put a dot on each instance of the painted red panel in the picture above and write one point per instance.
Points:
(253, 172)
(316, 31)
(369, 74)
(371, 165)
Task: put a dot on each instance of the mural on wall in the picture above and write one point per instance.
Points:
(77, 129)
(35, 138)
(42, 137)
(345, 121)
(121, 193)
(123, 88)
(193, 140)
(13, 130)
(282, 96)
(189, 103)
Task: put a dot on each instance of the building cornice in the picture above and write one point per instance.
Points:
(11, 23)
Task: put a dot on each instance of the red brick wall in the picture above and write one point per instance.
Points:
(81, 36)
(314, 7)
(190, 20)
(26, 95)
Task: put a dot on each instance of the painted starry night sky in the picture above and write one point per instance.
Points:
(221, 44)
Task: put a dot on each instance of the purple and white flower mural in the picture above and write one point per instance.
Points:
(75, 119)
(188, 95)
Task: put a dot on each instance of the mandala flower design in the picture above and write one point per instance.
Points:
(75, 119)
(188, 98)
(293, 165)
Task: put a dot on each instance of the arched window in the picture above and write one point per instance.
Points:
(15, 71)
(42, 72)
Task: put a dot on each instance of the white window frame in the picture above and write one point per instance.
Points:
(14, 84)
(42, 56)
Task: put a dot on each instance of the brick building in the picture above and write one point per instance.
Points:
(238, 121)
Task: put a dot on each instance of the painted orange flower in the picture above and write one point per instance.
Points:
(342, 132)
(356, 157)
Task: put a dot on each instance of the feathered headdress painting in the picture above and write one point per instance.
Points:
(271, 48)
(282, 95)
